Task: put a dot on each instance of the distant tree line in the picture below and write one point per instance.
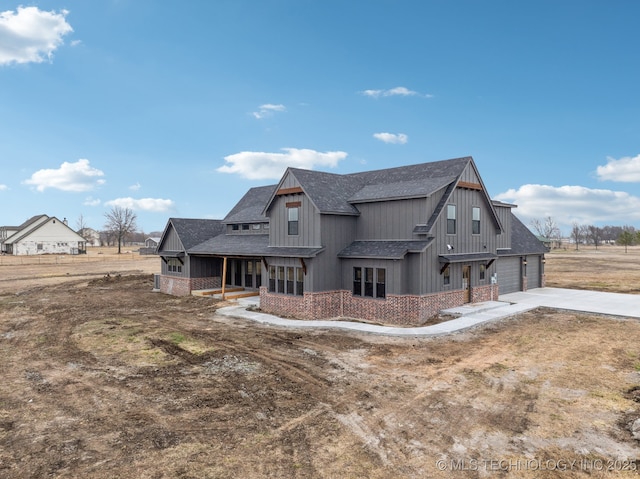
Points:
(587, 234)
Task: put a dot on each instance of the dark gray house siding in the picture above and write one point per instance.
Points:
(396, 245)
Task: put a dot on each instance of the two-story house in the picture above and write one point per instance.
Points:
(397, 245)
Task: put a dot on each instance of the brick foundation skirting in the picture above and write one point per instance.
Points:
(179, 286)
(394, 309)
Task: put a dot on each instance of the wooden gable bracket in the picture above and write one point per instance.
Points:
(445, 266)
(490, 263)
(180, 259)
(289, 191)
(304, 266)
(469, 185)
(164, 260)
(264, 261)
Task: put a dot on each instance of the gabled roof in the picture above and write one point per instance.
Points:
(523, 241)
(33, 224)
(192, 231)
(336, 194)
(251, 206)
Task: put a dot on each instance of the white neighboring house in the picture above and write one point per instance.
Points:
(43, 234)
(91, 236)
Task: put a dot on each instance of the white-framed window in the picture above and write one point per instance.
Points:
(451, 219)
(475, 220)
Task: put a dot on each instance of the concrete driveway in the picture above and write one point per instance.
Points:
(579, 300)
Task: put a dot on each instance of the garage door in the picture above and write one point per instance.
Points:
(508, 269)
(533, 272)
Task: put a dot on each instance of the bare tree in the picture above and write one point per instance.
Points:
(547, 228)
(595, 235)
(577, 234)
(121, 222)
(80, 224)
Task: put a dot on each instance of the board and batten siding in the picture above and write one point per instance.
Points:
(504, 215)
(338, 232)
(308, 218)
(390, 220)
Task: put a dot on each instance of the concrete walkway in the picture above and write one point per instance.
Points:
(469, 315)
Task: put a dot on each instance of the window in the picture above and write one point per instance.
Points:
(299, 281)
(451, 219)
(380, 283)
(289, 280)
(280, 279)
(285, 280)
(368, 282)
(245, 227)
(475, 220)
(272, 279)
(372, 277)
(446, 276)
(483, 271)
(235, 227)
(292, 220)
(174, 266)
(39, 247)
(357, 281)
(255, 226)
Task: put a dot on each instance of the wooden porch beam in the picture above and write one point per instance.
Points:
(304, 266)
(289, 191)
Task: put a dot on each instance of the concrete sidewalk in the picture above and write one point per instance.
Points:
(469, 315)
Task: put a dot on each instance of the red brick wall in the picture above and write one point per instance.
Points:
(179, 286)
(400, 310)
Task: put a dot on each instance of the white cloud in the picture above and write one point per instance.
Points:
(268, 109)
(135, 187)
(157, 205)
(3, 187)
(76, 177)
(573, 204)
(31, 35)
(626, 169)
(256, 165)
(90, 201)
(397, 91)
(396, 138)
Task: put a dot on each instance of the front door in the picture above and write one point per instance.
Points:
(466, 282)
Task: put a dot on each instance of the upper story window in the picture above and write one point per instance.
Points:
(235, 227)
(475, 220)
(451, 219)
(293, 214)
(245, 226)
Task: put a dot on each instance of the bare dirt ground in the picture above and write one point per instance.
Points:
(102, 378)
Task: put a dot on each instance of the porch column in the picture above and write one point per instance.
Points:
(224, 276)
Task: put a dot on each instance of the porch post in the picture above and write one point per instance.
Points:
(224, 276)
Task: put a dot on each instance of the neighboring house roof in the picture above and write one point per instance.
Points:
(33, 224)
(250, 207)
(523, 241)
(383, 249)
(250, 245)
(192, 231)
(155, 239)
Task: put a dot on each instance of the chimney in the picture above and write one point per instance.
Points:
(64, 220)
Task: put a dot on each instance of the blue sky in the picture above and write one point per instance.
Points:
(177, 108)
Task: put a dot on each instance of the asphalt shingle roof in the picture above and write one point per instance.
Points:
(383, 249)
(249, 245)
(194, 231)
(251, 206)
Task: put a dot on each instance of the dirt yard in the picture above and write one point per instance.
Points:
(102, 378)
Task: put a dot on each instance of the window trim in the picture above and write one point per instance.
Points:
(451, 219)
(475, 223)
(293, 224)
